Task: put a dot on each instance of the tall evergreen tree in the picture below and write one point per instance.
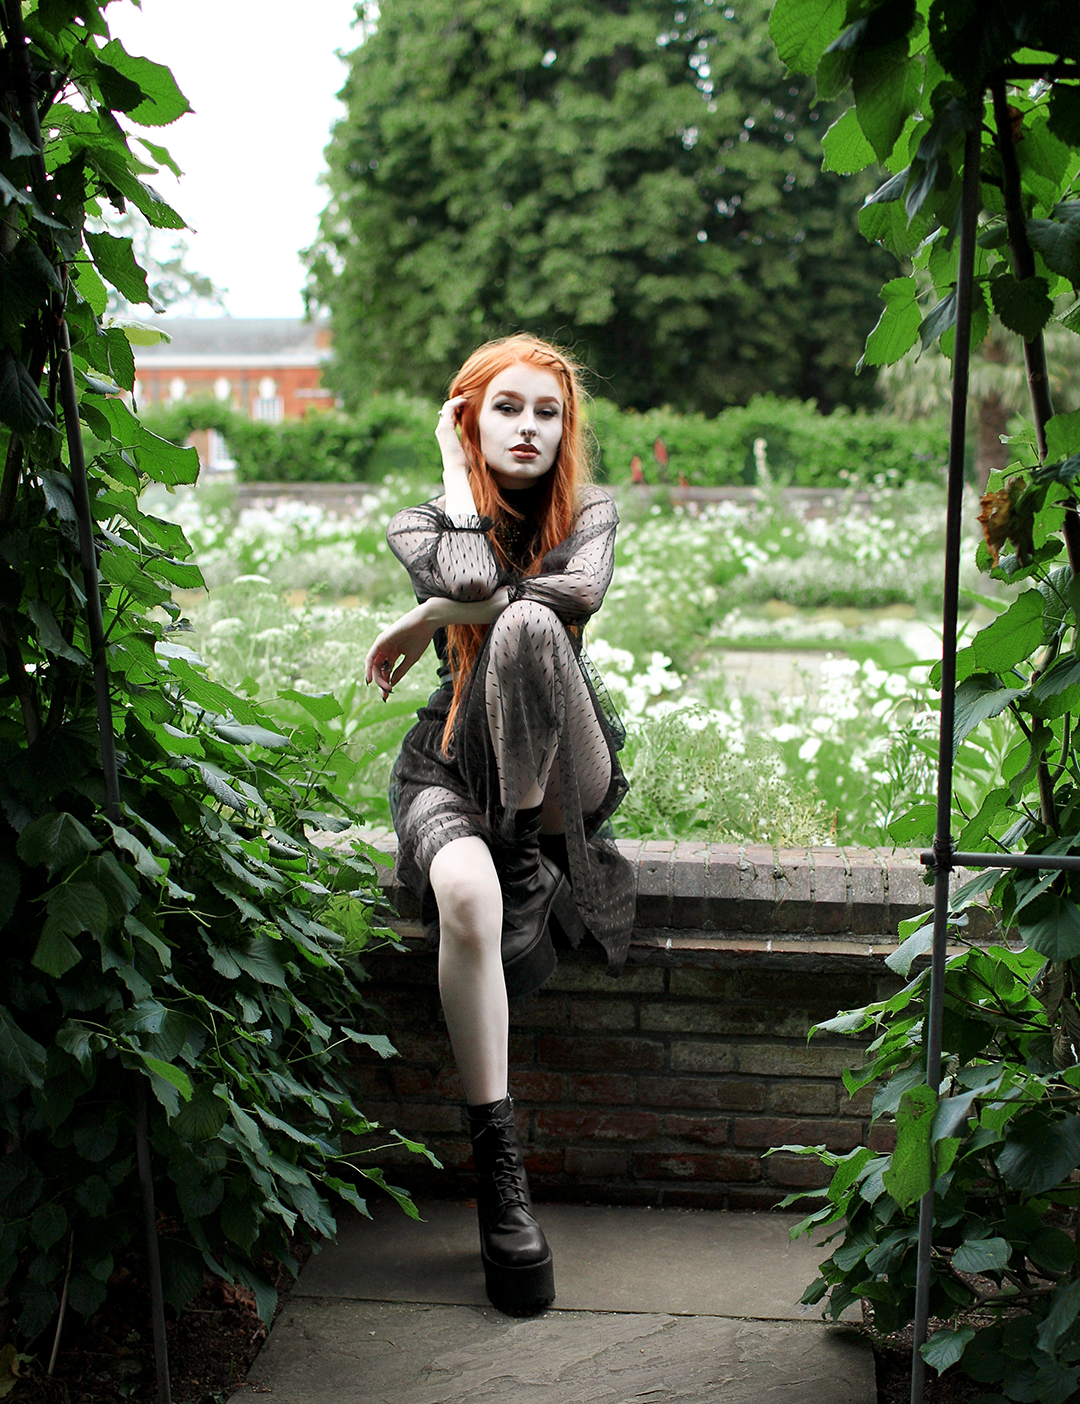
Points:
(635, 177)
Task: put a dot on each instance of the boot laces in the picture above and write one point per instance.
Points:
(506, 1177)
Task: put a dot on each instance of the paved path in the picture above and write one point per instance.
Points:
(654, 1307)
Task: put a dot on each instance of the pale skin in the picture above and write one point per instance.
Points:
(520, 422)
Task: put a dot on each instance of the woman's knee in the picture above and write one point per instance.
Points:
(467, 892)
(525, 622)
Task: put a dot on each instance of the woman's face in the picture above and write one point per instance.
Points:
(520, 425)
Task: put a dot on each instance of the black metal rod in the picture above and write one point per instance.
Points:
(1065, 862)
(943, 836)
(157, 1298)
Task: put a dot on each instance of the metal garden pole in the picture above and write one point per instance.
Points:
(943, 859)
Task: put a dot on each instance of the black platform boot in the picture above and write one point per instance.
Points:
(518, 1271)
(533, 889)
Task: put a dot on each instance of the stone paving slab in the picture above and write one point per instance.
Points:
(675, 1261)
(346, 1352)
(659, 1306)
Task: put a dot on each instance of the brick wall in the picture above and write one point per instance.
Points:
(667, 1085)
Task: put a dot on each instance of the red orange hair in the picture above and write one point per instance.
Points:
(569, 475)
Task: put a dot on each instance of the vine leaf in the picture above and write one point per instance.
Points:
(982, 1255)
(20, 1055)
(116, 264)
(897, 328)
(1052, 927)
(944, 1348)
(979, 698)
(1059, 244)
(910, 1174)
(1024, 306)
(21, 405)
(1039, 1154)
(802, 30)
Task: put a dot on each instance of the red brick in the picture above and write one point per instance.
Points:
(759, 889)
(614, 1088)
(453, 1154)
(704, 1130)
(532, 1085)
(793, 892)
(599, 1054)
(702, 1057)
(574, 975)
(721, 1094)
(766, 1131)
(604, 1014)
(688, 885)
(372, 1081)
(704, 984)
(449, 1085)
(830, 911)
(521, 1047)
(814, 1060)
(417, 1116)
(542, 1160)
(673, 1165)
(882, 1138)
(542, 1011)
(797, 1171)
(803, 1098)
(729, 1019)
(596, 1162)
(419, 1046)
(654, 884)
(412, 1082)
(402, 1009)
(859, 1105)
(722, 888)
(868, 914)
(598, 1126)
(749, 1200)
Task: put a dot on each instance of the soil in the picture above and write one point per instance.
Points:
(110, 1358)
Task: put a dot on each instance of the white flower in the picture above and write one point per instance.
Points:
(809, 748)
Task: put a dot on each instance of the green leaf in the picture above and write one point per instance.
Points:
(802, 30)
(157, 457)
(982, 1255)
(917, 944)
(1051, 926)
(251, 735)
(50, 636)
(21, 1056)
(979, 698)
(845, 147)
(164, 101)
(1064, 673)
(1012, 636)
(938, 320)
(138, 333)
(1059, 244)
(203, 1115)
(348, 1193)
(379, 1043)
(917, 823)
(56, 839)
(1061, 1316)
(116, 264)
(323, 706)
(21, 405)
(897, 329)
(1039, 1153)
(1063, 435)
(944, 1348)
(886, 87)
(1024, 307)
(174, 1076)
(910, 1174)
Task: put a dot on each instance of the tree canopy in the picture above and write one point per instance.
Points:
(637, 178)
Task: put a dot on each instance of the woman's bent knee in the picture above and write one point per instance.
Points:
(467, 891)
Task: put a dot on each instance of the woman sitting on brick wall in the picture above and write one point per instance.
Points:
(504, 786)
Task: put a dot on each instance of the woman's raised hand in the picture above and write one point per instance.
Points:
(453, 455)
(397, 648)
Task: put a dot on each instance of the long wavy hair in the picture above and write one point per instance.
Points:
(560, 488)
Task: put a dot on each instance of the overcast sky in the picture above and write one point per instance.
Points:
(262, 77)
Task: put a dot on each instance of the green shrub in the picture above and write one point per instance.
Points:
(803, 448)
(391, 434)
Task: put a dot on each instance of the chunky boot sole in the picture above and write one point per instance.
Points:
(519, 1291)
(532, 968)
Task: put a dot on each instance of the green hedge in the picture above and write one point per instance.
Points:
(396, 434)
(802, 447)
(391, 434)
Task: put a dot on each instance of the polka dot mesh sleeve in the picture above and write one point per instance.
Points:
(449, 559)
(575, 575)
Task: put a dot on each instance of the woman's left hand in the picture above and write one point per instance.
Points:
(406, 640)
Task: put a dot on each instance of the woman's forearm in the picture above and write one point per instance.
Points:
(460, 504)
(442, 612)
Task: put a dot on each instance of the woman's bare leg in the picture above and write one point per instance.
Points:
(471, 981)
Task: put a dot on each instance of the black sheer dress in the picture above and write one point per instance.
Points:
(528, 702)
